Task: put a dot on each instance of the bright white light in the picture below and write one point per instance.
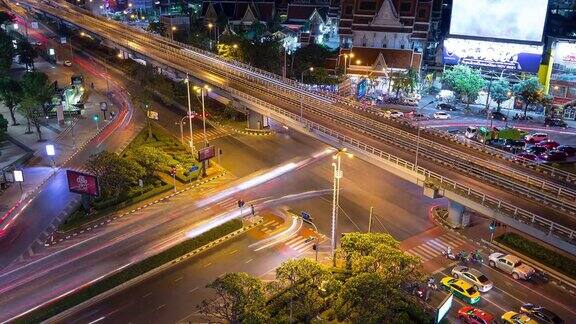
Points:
(50, 150)
(51, 51)
(18, 176)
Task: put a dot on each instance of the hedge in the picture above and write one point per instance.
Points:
(131, 272)
(539, 253)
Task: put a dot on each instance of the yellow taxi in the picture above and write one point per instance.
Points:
(517, 318)
(461, 289)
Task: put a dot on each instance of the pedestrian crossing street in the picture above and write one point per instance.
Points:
(434, 247)
(211, 134)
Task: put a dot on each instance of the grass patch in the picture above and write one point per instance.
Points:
(131, 272)
(550, 258)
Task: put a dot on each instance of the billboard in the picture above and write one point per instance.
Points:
(361, 88)
(82, 183)
(564, 67)
(493, 55)
(206, 153)
(521, 20)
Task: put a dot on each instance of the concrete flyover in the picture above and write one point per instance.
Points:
(514, 189)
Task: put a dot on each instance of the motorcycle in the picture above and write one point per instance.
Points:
(449, 254)
(476, 257)
(432, 284)
(463, 256)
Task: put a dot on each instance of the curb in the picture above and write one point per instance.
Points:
(102, 221)
(254, 132)
(144, 276)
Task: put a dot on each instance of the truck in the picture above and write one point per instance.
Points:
(487, 134)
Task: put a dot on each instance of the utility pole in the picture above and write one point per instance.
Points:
(370, 219)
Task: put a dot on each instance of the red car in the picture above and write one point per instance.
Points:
(554, 156)
(527, 156)
(471, 315)
(548, 144)
(535, 138)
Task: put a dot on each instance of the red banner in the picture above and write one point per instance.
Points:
(82, 183)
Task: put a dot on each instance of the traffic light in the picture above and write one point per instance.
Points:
(493, 225)
(240, 203)
(96, 118)
(314, 247)
(173, 171)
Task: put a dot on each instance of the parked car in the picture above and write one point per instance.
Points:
(418, 116)
(535, 137)
(471, 315)
(498, 116)
(569, 150)
(446, 106)
(67, 63)
(461, 289)
(541, 314)
(548, 144)
(410, 101)
(527, 156)
(555, 122)
(396, 114)
(441, 115)
(537, 150)
(554, 156)
(511, 264)
(517, 318)
(507, 144)
(472, 276)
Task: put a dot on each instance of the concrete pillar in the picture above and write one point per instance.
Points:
(455, 213)
(255, 120)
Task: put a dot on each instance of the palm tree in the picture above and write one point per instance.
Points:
(10, 93)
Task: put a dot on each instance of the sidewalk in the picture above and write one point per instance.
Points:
(66, 138)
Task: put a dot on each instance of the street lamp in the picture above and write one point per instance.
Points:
(181, 123)
(418, 137)
(173, 29)
(338, 174)
(202, 92)
(351, 55)
(306, 218)
(187, 81)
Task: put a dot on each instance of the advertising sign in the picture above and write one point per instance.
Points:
(444, 307)
(564, 67)
(206, 153)
(494, 55)
(82, 183)
(361, 88)
(521, 20)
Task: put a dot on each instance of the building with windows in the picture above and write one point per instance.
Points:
(239, 12)
(562, 76)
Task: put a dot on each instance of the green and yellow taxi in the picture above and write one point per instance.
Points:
(461, 289)
(517, 318)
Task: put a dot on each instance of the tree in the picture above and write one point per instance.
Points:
(115, 174)
(313, 55)
(3, 127)
(26, 53)
(465, 81)
(264, 55)
(149, 158)
(500, 91)
(530, 91)
(36, 95)
(7, 52)
(231, 51)
(400, 82)
(10, 94)
(239, 299)
(5, 18)
(299, 290)
(156, 27)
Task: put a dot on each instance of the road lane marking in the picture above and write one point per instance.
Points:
(193, 290)
(248, 261)
(207, 265)
(160, 307)
(178, 279)
(147, 294)
(232, 252)
(97, 320)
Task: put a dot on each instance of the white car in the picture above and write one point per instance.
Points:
(511, 264)
(67, 63)
(396, 114)
(473, 277)
(441, 115)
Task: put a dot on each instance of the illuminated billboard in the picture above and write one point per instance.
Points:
(206, 153)
(492, 55)
(564, 67)
(521, 20)
(82, 183)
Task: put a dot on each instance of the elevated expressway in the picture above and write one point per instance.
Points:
(533, 198)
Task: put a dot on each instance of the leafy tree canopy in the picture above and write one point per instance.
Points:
(500, 91)
(465, 81)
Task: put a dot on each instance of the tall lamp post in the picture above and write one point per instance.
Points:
(187, 81)
(181, 123)
(346, 56)
(202, 92)
(338, 174)
(173, 29)
(418, 137)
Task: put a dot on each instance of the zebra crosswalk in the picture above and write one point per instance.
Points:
(301, 243)
(434, 247)
(270, 226)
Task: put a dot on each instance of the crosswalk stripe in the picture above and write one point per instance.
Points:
(429, 249)
(297, 242)
(434, 246)
(302, 243)
(438, 244)
(456, 238)
(307, 246)
(422, 254)
(427, 252)
(447, 242)
(268, 223)
(295, 238)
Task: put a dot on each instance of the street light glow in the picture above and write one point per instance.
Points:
(50, 150)
(173, 28)
(210, 25)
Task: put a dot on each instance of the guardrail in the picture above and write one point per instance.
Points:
(513, 211)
